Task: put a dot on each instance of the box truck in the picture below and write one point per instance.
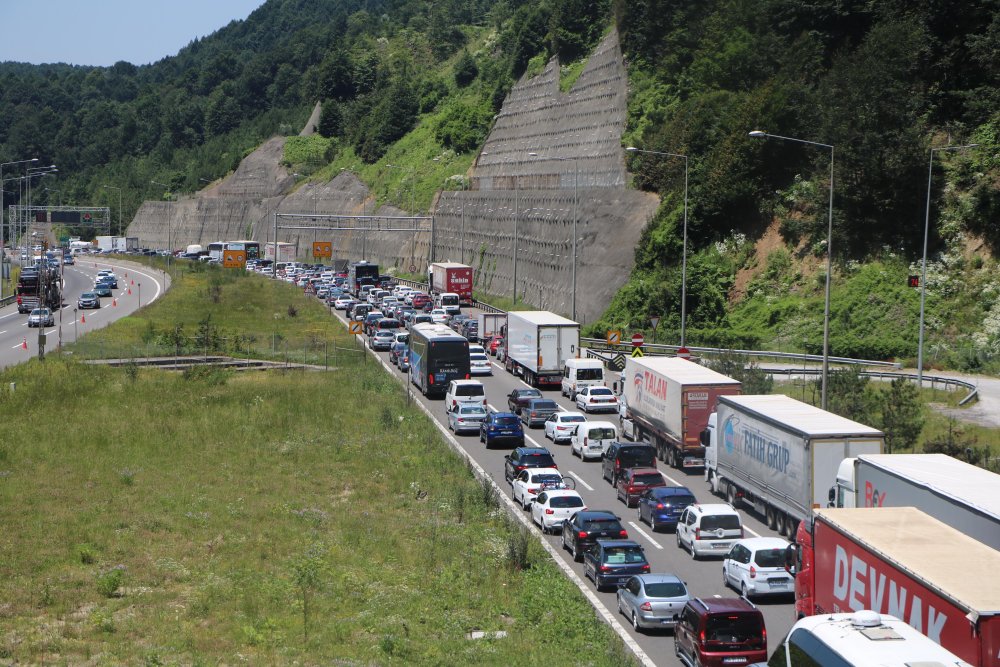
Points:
(779, 456)
(962, 495)
(490, 325)
(453, 278)
(668, 401)
(124, 244)
(538, 343)
(105, 243)
(902, 562)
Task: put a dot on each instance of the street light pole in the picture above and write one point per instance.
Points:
(923, 264)
(684, 253)
(576, 213)
(3, 247)
(758, 134)
(112, 187)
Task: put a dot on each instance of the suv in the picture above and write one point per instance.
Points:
(584, 528)
(634, 481)
(464, 391)
(613, 562)
(720, 631)
(708, 529)
(620, 456)
(526, 457)
(500, 427)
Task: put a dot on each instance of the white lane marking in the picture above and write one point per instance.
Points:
(3, 317)
(671, 479)
(2, 332)
(751, 530)
(643, 533)
(580, 480)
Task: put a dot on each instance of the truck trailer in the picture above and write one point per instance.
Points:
(668, 401)
(538, 343)
(452, 277)
(899, 561)
(490, 325)
(962, 495)
(780, 456)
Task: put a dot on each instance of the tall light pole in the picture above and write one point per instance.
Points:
(759, 134)
(170, 244)
(3, 248)
(59, 192)
(576, 210)
(684, 253)
(923, 264)
(113, 187)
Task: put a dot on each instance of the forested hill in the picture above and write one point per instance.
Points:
(881, 82)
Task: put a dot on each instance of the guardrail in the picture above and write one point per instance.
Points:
(424, 286)
(933, 380)
(7, 300)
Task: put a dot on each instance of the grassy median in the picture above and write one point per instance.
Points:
(278, 517)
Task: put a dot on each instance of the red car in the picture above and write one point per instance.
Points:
(495, 344)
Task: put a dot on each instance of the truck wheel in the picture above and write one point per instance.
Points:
(731, 495)
(772, 520)
(713, 483)
(781, 523)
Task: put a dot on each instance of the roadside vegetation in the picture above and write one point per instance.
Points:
(211, 517)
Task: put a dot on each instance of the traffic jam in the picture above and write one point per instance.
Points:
(758, 494)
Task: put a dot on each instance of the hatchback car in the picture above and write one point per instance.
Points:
(501, 428)
(494, 344)
(439, 316)
(41, 317)
(596, 399)
(529, 482)
(708, 530)
(479, 364)
(396, 351)
(634, 481)
(560, 426)
(537, 411)
(554, 506)
(526, 457)
(713, 632)
(381, 339)
(652, 601)
(756, 566)
(584, 528)
(662, 506)
(467, 417)
(88, 300)
(612, 562)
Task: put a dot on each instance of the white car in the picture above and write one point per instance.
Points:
(552, 507)
(479, 364)
(475, 348)
(343, 302)
(439, 316)
(41, 317)
(561, 426)
(530, 481)
(756, 566)
(597, 399)
(464, 392)
(707, 530)
(466, 418)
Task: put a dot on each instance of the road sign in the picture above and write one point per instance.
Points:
(413, 268)
(355, 327)
(913, 281)
(234, 259)
(636, 352)
(655, 321)
(614, 337)
(322, 249)
(683, 353)
(637, 340)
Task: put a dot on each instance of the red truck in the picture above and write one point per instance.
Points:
(902, 562)
(453, 278)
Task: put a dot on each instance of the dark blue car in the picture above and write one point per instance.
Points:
(661, 506)
(501, 428)
(613, 562)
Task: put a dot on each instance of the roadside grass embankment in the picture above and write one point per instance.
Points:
(214, 517)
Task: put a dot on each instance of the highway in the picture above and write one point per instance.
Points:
(15, 335)
(704, 577)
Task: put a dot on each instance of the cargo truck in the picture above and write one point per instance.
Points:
(490, 325)
(899, 561)
(537, 344)
(453, 278)
(124, 244)
(962, 495)
(668, 401)
(779, 456)
(105, 243)
(361, 273)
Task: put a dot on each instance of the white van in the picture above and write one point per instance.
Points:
(591, 439)
(580, 373)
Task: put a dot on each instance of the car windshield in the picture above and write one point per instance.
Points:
(469, 390)
(602, 524)
(572, 419)
(546, 478)
(604, 433)
(507, 421)
(624, 555)
(648, 479)
(665, 589)
(600, 391)
(723, 521)
(544, 405)
(87, 295)
(566, 501)
(770, 558)
(734, 628)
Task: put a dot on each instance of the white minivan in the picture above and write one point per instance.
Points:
(580, 373)
(592, 439)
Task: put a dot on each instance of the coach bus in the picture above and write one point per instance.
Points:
(438, 355)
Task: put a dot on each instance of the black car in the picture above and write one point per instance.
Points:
(526, 457)
(537, 411)
(500, 428)
(584, 529)
(621, 456)
(613, 562)
(661, 506)
(519, 398)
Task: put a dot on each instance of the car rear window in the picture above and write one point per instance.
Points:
(470, 390)
(544, 405)
(723, 521)
(539, 460)
(770, 558)
(573, 419)
(473, 410)
(508, 421)
(624, 555)
(734, 628)
(648, 479)
(478, 357)
(600, 391)
(675, 500)
(546, 478)
(602, 524)
(665, 589)
(601, 433)
(637, 457)
(566, 501)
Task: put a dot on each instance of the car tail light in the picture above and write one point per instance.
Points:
(582, 535)
(533, 491)
(701, 638)
(659, 506)
(753, 572)
(550, 511)
(585, 442)
(742, 534)
(645, 568)
(622, 533)
(605, 568)
(645, 606)
(534, 414)
(697, 533)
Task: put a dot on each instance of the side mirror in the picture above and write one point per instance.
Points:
(832, 496)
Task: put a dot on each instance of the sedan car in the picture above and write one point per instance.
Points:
(597, 399)
(439, 316)
(756, 566)
(537, 411)
(396, 351)
(41, 317)
(612, 562)
(479, 364)
(382, 339)
(530, 482)
(343, 302)
(554, 506)
(560, 426)
(102, 289)
(404, 361)
(652, 601)
(661, 506)
(467, 417)
(494, 344)
(88, 300)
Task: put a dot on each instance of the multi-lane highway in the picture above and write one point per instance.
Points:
(18, 343)
(704, 577)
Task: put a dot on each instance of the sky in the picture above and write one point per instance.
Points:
(102, 32)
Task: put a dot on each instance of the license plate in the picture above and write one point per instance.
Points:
(721, 545)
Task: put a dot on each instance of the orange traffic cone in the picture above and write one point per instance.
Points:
(24, 343)
(133, 282)
(129, 290)
(114, 302)
(83, 318)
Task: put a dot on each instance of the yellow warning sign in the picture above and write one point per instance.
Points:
(322, 249)
(355, 327)
(234, 259)
(636, 352)
(614, 337)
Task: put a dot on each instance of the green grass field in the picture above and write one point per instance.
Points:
(262, 518)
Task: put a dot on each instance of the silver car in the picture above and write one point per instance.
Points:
(467, 417)
(652, 601)
(41, 317)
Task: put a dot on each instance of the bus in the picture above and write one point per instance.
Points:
(438, 355)
(251, 248)
(362, 273)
